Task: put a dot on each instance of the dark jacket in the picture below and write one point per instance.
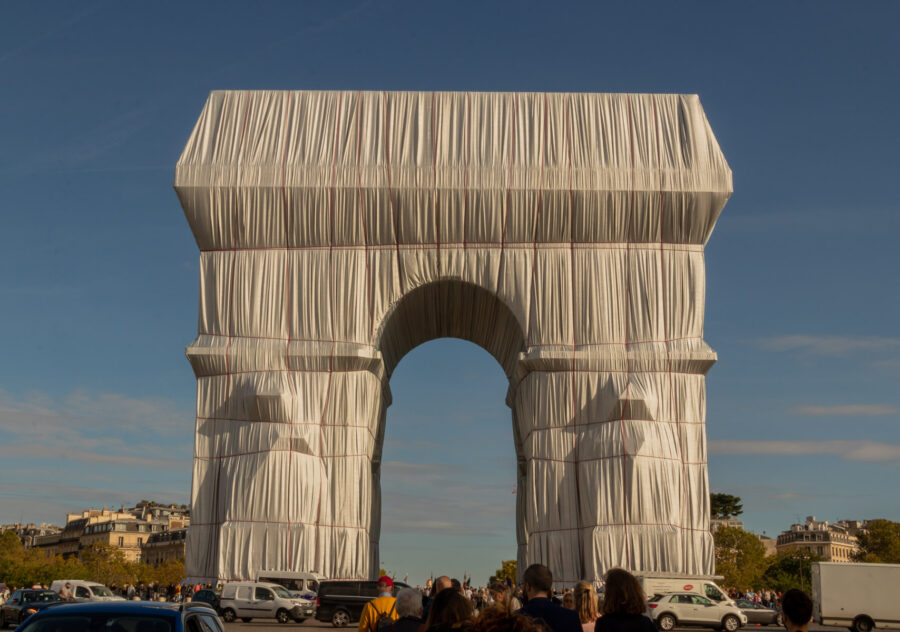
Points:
(407, 624)
(619, 622)
(557, 618)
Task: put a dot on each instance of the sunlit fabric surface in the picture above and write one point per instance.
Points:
(564, 233)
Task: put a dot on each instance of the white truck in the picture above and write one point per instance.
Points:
(703, 585)
(856, 595)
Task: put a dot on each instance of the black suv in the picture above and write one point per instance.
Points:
(342, 601)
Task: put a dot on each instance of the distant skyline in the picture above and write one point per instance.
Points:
(99, 291)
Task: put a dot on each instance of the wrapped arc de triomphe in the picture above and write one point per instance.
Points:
(564, 233)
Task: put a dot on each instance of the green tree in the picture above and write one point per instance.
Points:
(740, 557)
(507, 571)
(12, 558)
(880, 543)
(784, 570)
(724, 506)
(106, 564)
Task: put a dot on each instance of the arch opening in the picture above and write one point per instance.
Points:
(449, 467)
(450, 308)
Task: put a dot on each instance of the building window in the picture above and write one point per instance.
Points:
(121, 541)
(140, 541)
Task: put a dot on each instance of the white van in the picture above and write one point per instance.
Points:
(85, 590)
(299, 584)
(251, 600)
(703, 585)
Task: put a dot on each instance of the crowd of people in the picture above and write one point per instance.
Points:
(768, 598)
(151, 591)
(447, 606)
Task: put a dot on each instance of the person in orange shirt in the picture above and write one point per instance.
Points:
(383, 605)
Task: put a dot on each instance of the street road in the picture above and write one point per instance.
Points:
(270, 625)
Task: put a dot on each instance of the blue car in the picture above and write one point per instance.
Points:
(124, 616)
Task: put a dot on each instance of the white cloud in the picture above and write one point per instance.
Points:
(849, 410)
(57, 447)
(82, 420)
(848, 450)
(444, 499)
(83, 456)
(830, 345)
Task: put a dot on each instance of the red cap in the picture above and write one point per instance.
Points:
(384, 580)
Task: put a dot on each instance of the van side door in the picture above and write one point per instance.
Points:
(263, 602)
(242, 598)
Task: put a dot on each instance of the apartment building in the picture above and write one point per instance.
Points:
(832, 542)
(126, 529)
(163, 547)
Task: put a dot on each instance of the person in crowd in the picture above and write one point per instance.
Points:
(538, 584)
(66, 593)
(502, 594)
(797, 608)
(383, 604)
(568, 601)
(409, 610)
(624, 604)
(441, 583)
(501, 619)
(450, 612)
(586, 605)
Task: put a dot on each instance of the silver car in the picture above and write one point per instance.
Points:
(677, 609)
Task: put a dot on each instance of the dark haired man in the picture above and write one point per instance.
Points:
(538, 583)
(797, 608)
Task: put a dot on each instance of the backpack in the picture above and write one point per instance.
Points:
(385, 622)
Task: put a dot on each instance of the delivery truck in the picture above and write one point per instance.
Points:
(704, 585)
(859, 596)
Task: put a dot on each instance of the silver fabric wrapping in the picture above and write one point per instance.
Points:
(562, 232)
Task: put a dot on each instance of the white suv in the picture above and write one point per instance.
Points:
(676, 609)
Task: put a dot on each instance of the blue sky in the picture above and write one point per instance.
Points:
(99, 283)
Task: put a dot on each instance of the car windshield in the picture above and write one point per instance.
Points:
(99, 622)
(282, 592)
(44, 595)
(101, 591)
(655, 598)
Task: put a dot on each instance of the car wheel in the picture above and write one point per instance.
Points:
(731, 623)
(863, 624)
(666, 622)
(228, 615)
(340, 618)
(246, 619)
(282, 616)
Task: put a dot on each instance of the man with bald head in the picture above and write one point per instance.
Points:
(441, 583)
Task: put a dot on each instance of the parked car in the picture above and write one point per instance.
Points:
(758, 613)
(24, 603)
(210, 597)
(86, 591)
(136, 616)
(679, 609)
(251, 600)
(342, 601)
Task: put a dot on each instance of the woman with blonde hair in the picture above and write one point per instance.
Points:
(624, 604)
(586, 605)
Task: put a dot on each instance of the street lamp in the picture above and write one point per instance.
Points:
(800, 558)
